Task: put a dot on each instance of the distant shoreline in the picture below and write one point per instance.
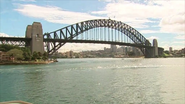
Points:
(26, 62)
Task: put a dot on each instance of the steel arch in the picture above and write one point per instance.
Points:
(71, 31)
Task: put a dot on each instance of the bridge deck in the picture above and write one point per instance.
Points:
(75, 41)
(97, 41)
(14, 39)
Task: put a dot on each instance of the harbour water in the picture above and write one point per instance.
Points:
(96, 81)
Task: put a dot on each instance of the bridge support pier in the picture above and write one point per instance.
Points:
(28, 35)
(155, 45)
(154, 51)
(35, 32)
(148, 51)
(160, 51)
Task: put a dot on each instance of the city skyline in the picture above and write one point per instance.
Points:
(152, 18)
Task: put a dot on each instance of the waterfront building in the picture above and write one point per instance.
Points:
(5, 57)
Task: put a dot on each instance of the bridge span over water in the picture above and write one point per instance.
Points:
(101, 31)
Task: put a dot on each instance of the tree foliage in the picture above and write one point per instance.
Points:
(22, 53)
(16, 53)
(26, 53)
(166, 52)
(6, 47)
(35, 55)
(45, 56)
(39, 55)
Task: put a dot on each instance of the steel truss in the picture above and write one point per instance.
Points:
(69, 33)
(14, 41)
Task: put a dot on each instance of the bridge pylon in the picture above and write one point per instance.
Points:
(154, 51)
(148, 51)
(35, 32)
(155, 45)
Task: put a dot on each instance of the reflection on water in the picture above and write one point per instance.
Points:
(96, 81)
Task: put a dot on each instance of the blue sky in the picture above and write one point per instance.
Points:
(160, 19)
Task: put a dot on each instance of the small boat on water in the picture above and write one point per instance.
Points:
(15, 102)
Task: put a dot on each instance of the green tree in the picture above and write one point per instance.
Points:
(27, 56)
(26, 53)
(39, 55)
(16, 53)
(45, 56)
(35, 55)
(2, 49)
(167, 52)
(6, 47)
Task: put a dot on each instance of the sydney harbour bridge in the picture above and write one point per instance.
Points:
(98, 31)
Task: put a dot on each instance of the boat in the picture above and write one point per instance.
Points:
(15, 102)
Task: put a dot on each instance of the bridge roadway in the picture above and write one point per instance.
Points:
(18, 39)
(14, 39)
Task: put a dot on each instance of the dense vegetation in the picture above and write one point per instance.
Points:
(22, 53)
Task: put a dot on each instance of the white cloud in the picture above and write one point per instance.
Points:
(147, 31)
(169, 12)
(151, 38)
(4, 35)
(179, 42)
(180, 37)
(174, 23)
(54, 14)
(132, 13)
(176, 45)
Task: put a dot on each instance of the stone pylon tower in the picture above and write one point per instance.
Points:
(35, 32)
(155, 45)
(148, 51)
(28, 35)
(152, 52)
